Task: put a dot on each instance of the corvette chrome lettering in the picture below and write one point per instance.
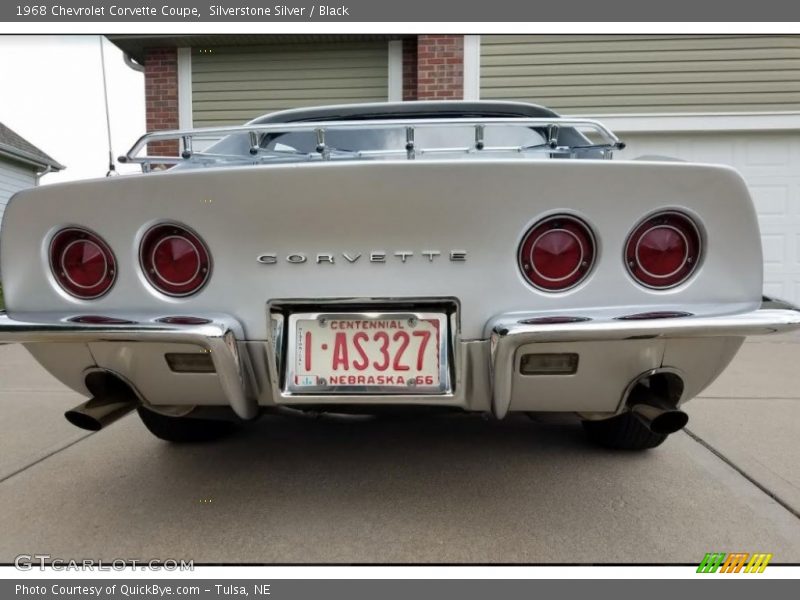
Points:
(374, 256)
(268, 259)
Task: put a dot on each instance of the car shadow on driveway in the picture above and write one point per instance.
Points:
(455, 489)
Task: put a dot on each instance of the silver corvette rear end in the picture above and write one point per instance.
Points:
(537, 276)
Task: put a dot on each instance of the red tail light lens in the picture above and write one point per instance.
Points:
(557, 253)
(82, 263)
(175, 260)
(664, 250)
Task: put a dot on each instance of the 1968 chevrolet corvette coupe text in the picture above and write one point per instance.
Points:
(473, 256)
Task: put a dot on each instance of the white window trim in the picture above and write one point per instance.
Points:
(185, 117)
(472, 67)
(699, 122)
(395, 91)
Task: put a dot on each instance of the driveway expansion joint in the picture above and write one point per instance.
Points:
(44, 457)
(741, 472)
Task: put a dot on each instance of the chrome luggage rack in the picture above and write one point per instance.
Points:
(551, 128)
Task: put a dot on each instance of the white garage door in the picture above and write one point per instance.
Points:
(770, 163)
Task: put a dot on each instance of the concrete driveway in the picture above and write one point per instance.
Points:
(455, 489)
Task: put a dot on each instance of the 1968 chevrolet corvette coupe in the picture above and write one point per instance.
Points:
(473, 256)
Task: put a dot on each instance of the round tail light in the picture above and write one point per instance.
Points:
(664, 250)
(557, 253)
(82, 263)
(174, 260)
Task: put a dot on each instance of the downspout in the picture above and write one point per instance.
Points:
(132, 63)
(41, 174)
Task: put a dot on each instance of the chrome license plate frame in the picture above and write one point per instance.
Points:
(443, 387)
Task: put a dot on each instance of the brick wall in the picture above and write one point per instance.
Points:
(433, 69)
(410, 69)
(440, 67)
(161, 96)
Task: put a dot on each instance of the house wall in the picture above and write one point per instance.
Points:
(575, 74)
(231, 85)
(602, 74)
(13, 178)
(410, 69)
(440, 67)
(161, 96)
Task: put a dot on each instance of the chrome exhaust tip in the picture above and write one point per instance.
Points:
(113, 399)
(660, 419)
(653, 399)
(99, 412)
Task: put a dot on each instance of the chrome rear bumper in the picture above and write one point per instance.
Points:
(508, 335)
(218, 338)
(246, 385)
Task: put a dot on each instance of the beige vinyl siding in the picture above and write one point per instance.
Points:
(231, 85)
(602, 74)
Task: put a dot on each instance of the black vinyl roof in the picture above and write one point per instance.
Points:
(415, 109)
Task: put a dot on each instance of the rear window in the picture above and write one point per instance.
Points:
(426, 138)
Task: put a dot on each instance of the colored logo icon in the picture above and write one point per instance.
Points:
(735, 562)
